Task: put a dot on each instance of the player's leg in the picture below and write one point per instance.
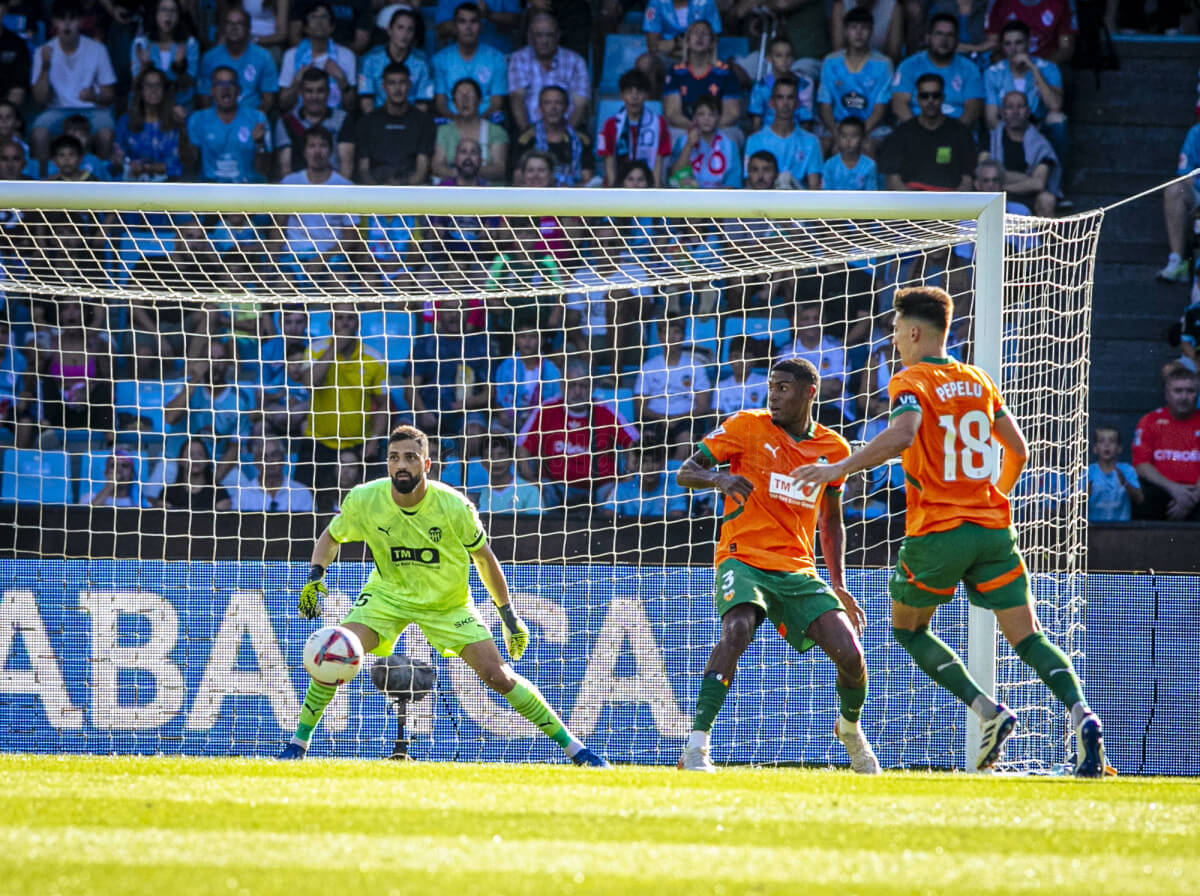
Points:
(742, 609)
(523, 695)
(833, 633)
(377, 628)
(926, 575)
(1021, 629)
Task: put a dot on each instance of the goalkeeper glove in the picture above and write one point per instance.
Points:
(310, 597)
(516, 635)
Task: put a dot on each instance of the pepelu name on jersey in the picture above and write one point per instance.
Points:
(426, 556)
(953, 389)
(788, 489)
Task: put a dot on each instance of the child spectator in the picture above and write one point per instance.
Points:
(644, 491)
(797, 152)
(72, 73)
(701, 74)
(120, 488)
(848, 168)
(147, 146)
(636, 133)
(80, 128)
(66, 157)
(169, 45)
(524, 382)
(745, 386)
(399, 48)
(856, 81)
(706, 158)
(779, 55)
(1112, 485)
(665, 25)
(506, 491)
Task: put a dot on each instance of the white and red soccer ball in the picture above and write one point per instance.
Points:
(333, 655)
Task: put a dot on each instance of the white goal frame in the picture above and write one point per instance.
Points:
(986, 210)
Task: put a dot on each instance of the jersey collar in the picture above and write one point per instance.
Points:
(935, 359)
(808, 433)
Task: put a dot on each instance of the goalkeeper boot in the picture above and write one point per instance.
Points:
(1089, 742)
(996, 731)
(696, 759)
(862, 758)
(590, 759)
(293, 751)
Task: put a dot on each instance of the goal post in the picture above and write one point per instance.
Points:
(620, 642)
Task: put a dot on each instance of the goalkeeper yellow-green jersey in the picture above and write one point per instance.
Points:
(422, 553)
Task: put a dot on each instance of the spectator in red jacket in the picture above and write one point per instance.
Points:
(1166, 451)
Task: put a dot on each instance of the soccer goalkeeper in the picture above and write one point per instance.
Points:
(421, 534)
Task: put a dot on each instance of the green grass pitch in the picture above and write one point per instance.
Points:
(123, 825)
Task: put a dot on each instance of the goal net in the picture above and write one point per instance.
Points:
(177, 435)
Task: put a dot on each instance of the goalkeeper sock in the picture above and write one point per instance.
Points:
(852, 700)
(316, 698)
(713, 689)
(526, 699)
(939, 662)
(1053, 667)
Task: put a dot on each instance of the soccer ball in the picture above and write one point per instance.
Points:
(333, 655)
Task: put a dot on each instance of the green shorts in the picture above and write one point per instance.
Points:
(447, 631)
(986, 561)
(791, 600)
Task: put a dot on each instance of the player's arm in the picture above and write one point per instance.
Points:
(832, 531)
(900, 433)
(324, 552)
(698, 472)
(1016, 452)
(516, 635)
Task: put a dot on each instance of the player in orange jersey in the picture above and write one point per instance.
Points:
(958, 526)
(765, 564)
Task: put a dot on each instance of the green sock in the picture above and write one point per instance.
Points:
(1053, 667)
(316, 698)
(526, 699)
(713, 690)
(939, 662)
(852, 701)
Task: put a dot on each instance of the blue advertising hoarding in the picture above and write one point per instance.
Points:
(104, 656)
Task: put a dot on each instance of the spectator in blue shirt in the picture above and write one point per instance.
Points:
(1040, 81)
(147, 146)
(666, 21)
(797, 152)
(169, 46)
(856, 81)
(963, 86)
(781, 57)
(524, 382)
(701, 74)
(1112, 486)
(506, 491)
(401, 30)
(468, 58)
(230, 141)
(253, 66)
(848, 168)
(706, 157)
(644, 491)
(498, 22)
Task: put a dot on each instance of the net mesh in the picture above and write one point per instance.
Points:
(171, 411)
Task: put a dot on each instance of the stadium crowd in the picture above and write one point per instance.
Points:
(282, 406)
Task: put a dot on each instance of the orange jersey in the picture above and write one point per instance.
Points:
(775, 528)
(951, 465)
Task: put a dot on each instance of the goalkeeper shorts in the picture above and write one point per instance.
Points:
(986, 561)
(447, 631)
(791, 600)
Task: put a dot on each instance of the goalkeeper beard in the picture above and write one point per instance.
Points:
(405, 483)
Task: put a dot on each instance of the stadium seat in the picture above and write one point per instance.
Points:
(36, 477)
(701, 332)
(621, 51)
(390, 333)
(777, 329)
(732, 46)
(147, 400)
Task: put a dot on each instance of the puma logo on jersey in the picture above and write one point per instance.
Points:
(387, 531)
(770, 448)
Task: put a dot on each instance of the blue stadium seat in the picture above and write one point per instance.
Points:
(732, 46)
(701, 332)
(777, 329)
(148, 400)
(619, 400)
(36, 477)
(621, 51)
(390, 333)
